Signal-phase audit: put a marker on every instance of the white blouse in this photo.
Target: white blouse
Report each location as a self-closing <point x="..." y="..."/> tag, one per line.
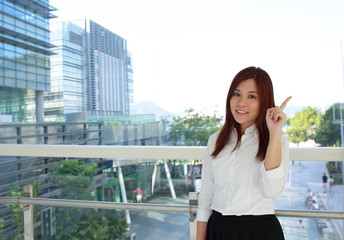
<point x="235" y="183"/>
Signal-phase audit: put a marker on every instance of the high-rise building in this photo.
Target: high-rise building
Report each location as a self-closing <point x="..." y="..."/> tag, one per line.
<point x="68" y="71"/>
<point x="108" y="79"/>
<point x="91" y="72"/>
<point x="24" y="58"/>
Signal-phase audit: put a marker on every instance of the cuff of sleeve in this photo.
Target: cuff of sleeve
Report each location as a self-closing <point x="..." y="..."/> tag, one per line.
<point x="273" y="173"/>
<point x="203" y="215"/>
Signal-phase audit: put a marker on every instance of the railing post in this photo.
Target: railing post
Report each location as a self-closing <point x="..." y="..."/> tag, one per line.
<point x="45" y="130"/>
<point x="19" y="139"/>
<point x="85" y="134"/>
<point x="100" y="133"/>
<point x="193" y="201"/>
<point x="28" y="215"/>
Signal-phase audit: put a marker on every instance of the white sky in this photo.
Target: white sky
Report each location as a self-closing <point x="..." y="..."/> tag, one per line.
<point x="186" y="52"/>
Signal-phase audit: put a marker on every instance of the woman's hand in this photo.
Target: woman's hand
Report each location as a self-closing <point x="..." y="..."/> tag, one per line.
<point x="275" y="117"/>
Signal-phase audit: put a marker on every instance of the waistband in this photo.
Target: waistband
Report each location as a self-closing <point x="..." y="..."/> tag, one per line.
<point x="242" y="217"/>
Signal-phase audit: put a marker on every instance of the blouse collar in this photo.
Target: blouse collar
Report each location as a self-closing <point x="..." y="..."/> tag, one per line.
<point x="251" y="130"/>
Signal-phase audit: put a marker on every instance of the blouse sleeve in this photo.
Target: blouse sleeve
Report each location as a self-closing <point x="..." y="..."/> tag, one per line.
<point x="273" y="181"/>
<point x="207" y="187"/>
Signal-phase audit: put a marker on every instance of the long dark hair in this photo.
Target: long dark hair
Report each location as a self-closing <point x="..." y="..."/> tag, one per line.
<point x="266" y="100"/>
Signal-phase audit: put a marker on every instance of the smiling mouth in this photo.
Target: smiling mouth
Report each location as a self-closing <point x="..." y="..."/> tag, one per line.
<point x="241" y="112"/>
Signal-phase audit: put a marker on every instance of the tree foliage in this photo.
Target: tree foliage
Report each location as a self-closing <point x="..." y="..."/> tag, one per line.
<point x="303" y="125"/>
<point x="75" y="179"/>
<point x="17" y="214"/>
<point x="193" y="129"/>
<point x="2" y="221"/>
<point x="328" y="132"/>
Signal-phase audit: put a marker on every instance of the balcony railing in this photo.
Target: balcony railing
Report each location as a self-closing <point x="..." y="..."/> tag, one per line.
<point x="149" y="152"/>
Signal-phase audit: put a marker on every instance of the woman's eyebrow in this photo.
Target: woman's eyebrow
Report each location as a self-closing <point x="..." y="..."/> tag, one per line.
<point x="248" y="91"/>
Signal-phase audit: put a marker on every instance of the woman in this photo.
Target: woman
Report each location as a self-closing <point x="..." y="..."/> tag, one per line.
<point x="245" y="165"/>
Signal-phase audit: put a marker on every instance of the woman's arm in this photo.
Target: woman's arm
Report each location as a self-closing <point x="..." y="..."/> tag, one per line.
<point x="273" y="155"/>
<point x="201" y="230"/>
<point x="275" y="119"/>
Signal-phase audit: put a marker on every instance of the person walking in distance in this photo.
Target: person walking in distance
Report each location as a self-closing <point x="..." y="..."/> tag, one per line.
<point x="139" y="195"/>
<point x="245" y="165"/>
<point x="324" y="180"/>
<point x="331" y="183"/>
<point x="309" y="197"/>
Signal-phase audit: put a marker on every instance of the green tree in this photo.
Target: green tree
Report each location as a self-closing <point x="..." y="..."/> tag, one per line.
<point x="75" y="179"/>
<point x="193" y="129"/>
<point x="17" y="213"/>
<point x="303" y="125"/>
<point x="2" y="221"/>
<point x="328" y="132"/>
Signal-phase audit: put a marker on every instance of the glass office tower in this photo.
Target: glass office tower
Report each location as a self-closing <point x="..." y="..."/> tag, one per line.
<point x="108" y="80"/>
<point x="68" y="71"/>
<point x="91" y="72"/>
<point x="24" y="58"/>
<point x="130" y="83"/>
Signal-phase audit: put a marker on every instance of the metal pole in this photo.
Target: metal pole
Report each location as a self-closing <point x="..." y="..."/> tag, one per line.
<point x="341" y="120"/>
<point x="168" y="175"/>
<point x="154" y="176"/>
<point x="186" y="172"/>
<point x="124" y="193"/>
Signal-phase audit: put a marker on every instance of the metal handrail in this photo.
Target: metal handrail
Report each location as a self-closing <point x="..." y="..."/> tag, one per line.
<point x="151" y="152"/>
<point x="152" y="207"/>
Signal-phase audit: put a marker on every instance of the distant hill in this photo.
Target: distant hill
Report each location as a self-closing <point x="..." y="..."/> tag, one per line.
<point x="149" y="107"/>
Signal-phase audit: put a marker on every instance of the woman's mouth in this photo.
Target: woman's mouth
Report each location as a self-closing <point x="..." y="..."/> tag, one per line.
<point x="240" y="112"/>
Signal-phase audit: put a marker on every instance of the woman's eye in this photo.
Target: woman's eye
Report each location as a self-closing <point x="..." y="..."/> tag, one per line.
<point x="251" y="96"/>
<point x="236" y="94"/>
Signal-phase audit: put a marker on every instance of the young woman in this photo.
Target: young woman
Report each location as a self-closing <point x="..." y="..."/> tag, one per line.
<point x="245" y="165"/>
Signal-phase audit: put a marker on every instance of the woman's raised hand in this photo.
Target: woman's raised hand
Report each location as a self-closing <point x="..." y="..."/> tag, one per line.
<point x="275" y="117"/>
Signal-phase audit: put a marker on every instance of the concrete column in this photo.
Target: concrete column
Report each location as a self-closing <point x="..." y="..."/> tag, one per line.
<point x="123" y="193"/>
<point x="168" y="175"/>
<point x="154" y="176"/>
<point x="28" y="215"/>
<point x="39" y="106"/>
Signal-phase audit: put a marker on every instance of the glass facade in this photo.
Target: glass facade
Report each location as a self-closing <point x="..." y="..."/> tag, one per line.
<point x="24" y="53"/>
<point x="130" y="83"/>
<point x="108" y="80"/>
<point x="91" y="71"/>
<point x="68" y="71"/>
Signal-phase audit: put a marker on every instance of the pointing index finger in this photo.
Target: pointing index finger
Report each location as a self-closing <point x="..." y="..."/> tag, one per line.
<point x="284" y="104"/>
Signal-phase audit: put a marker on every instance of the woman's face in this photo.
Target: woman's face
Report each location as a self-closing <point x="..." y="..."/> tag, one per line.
<point x="245" y="104"/>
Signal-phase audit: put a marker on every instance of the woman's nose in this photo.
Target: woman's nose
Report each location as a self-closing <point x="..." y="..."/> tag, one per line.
<point x="241" y="102"/>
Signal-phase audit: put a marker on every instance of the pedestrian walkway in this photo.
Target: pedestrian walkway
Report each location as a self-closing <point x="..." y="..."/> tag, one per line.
<point x="302" y="177"/>
<point x="154" y="225"/>
<point x="333" y="201"/>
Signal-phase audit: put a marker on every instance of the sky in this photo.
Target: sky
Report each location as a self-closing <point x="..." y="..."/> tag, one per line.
<point x="186" y="52"/>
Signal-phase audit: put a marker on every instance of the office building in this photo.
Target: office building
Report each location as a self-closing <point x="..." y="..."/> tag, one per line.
<point x="24" y="58"/>
<point x="68" y="72"/>
<point x="91" y="72"/>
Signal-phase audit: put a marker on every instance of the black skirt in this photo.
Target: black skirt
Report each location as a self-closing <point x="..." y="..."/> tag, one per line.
<point x="247" y="227"/>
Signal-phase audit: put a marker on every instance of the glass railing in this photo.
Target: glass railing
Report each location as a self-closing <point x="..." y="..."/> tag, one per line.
<point x="166" y="176"/>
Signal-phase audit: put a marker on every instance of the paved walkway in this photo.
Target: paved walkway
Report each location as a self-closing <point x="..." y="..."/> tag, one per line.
<point x="303" y="177"/>
<point x="154" y="225"/>
<point x="165" y="225"/>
